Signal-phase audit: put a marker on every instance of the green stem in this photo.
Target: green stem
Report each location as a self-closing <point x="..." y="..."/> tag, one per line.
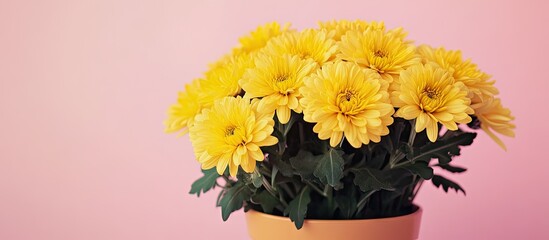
<point x="414" y="194"/>
<point x="301" y="134"/>
<point x="317" y="189"/>
<point x="362" y="202"/>
<point x="287" y="189"/>
<point x="270" y="189"/>
<point x="412" y="134"/>
<point x="395" y="158"/>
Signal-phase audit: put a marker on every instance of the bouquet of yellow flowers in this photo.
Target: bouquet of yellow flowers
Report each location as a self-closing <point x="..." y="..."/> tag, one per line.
<point x="343" y="121"/>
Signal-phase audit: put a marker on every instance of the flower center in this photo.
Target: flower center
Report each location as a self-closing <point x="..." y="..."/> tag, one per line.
<point x="348" y="95"/>
<point x="431" y="93"/>
<point x="347" y="101"/>
<point x="281" y="78"/>
<point x="229" y="131"/>
<point x="380" y="53"/>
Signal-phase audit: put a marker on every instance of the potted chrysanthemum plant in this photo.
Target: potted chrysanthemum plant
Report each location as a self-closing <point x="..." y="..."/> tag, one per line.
<point x="333" y="128"/>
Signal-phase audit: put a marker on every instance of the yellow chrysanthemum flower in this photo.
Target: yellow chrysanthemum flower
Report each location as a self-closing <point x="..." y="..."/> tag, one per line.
<point x="341" y="27"/>
<point x="346" y="100"/>
<point x="258" y="38"/>
<point x="310" y="43"/>
<point x="181" y="114"/>
<point x="276" y="80"/>
<point x="493" y="116"/>
<point x="223" y="80"/>
<point x="387" y="53"/>
<point x="430" y="95"/>
<point x="230" y="134"/>
<point x="467" y="72"/>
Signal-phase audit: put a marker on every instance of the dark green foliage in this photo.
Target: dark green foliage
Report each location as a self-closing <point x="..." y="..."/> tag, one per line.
<point x="346" y="202"/>
<point x="297" y="210"/>
<point x="303" y="177"/>
<point x="445" y="148"/>
<point x="421" y="169"/>
<point x="233" y="199"/>
<point x="446" y="184"/>
<point x="330" y="167"/>
<point x="369" y="179"/>
<point x="205" y="183"/>
<point x="450" y="168"/>
<point x="267" y="201"/>
<point x="304" y="164"/>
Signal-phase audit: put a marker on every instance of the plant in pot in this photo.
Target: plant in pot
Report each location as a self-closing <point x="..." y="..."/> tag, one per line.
<point x="331" y="132"/>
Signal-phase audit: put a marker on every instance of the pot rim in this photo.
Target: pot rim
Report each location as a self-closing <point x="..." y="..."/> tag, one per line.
<point x="418" y="211"/>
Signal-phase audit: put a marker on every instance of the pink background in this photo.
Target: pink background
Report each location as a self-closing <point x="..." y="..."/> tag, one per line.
<point x="84" y="86"/>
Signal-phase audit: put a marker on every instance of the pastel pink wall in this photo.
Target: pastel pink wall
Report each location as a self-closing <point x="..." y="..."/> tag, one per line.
<point x="84" y="86"/>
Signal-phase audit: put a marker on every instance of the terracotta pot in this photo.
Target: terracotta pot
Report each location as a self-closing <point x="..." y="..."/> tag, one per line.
<point x="263" y="226"/>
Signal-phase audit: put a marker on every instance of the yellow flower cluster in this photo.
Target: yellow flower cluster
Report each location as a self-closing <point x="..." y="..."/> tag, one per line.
<point x="349" y="78"/>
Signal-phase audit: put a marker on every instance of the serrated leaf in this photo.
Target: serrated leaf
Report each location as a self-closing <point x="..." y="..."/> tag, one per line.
<point x="204" y="183"/>
<point x="304" y="164"/>
<point x="446" y="184"/>
<point x="266" y="201"/>
<point x="451" y="168"/>
<point x="421" y="169"/>
<point x="297" y="209"/>
<point x="445" y="148"/>
<point x="233" y="199"/>
<point x="369" y="179"/>
<point x="330" y="167"/>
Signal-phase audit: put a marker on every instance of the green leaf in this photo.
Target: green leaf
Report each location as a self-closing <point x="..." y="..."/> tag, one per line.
<point x="452" y="169"/>
<point x="233" y="199"/>
<point x="446" y="184"/>
<point x="421" y="169"/>
<point x="364" y="198"/>
<point x="266" y="200"/>
<point x="407" y="150"/>
<point x="205" y="183"/>
<point x="346" y="202"/>
<point x="304" y="164"/>
<point x="330" y="167"/>
<point x="297" y="209"/>
<point x="369" y="179"/>
<point x="322" y="209"/>
<point x="446" y="147"/>
<point x="283" y="167"/>
<point x="257" y="179"/>
<point x="219" y="196"/>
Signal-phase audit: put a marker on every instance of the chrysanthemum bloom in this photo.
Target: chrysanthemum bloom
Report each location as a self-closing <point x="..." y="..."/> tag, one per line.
<point x="430" y="95"/>
<point x="181" y="114"/>
<point x="341" y="27"/>
<point x="463" y="71"/>
<point x="223" y="80"/>
<point x="276" y="80"/>
<point x="258" y="38"/>
<point x="493" y="116"/>
<point x="385" y="53"/>
<point x="231" y="133"/>
<point x="346" y="100"/>
<point x="310" y="43"/>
